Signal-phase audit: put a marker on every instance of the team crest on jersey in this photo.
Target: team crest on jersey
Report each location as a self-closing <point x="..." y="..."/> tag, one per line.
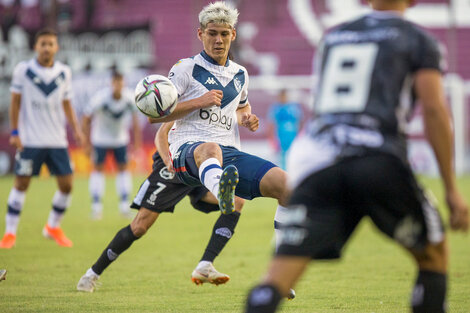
<point x="238" y="84"/>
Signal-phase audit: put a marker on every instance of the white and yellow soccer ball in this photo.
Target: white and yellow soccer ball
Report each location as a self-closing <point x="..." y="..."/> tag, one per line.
<point x="156" y="96"/>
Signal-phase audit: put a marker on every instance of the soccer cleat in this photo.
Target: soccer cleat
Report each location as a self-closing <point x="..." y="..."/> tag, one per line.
<point x="227" y="184"/>
<point x="8" y="241"/>
<point x="58" y="235"/>
<point x="3" y="274"/>
<point x="291" y="294"/>
<point x="88" y="283"/>
<point x="208" y="274"/>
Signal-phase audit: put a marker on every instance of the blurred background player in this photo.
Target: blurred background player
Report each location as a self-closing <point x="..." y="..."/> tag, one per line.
<point x="110" y="115"/>
<point x="352" y="162"/>
<point x="40" y="105"/>
<point x="160" y="193"/>
<point x="285" y="118"/>
<point x="3" y="274"/>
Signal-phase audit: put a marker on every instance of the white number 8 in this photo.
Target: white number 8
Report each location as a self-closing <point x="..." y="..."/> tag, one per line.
<point x="346" y="78"/>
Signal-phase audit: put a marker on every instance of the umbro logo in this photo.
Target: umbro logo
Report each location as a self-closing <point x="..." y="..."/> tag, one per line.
<point x="210" y="81"/>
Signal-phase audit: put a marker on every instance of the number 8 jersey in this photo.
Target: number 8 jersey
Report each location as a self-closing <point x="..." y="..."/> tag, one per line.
<point x="366" y="80"/>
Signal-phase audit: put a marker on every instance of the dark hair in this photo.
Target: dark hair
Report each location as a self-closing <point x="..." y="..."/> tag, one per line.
<point x="117" y="75"/>
<point x="44" y="32"/>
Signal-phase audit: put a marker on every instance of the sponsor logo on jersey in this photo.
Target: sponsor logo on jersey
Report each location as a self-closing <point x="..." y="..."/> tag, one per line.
<point x="210" y="81"/>
<point x="291" y="233"/>
<point x="216" y="118"/>
<point x="166" y="174"/>
<point x="224" y="232"/>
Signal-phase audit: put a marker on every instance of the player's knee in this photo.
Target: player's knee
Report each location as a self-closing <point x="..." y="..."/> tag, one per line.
<point x="207" y="150"/>
<point x="433" y="257"/>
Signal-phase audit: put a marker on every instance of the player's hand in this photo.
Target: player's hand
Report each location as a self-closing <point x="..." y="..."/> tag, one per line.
<point x="80" y="138"/>
<point x="15" y="141"/>
<point x="168" y="163"/>
<point x="87" y="149"/>
<point x="211" y="98"/>
<point x="458" y="211"/>
<point x="250" y="121"/>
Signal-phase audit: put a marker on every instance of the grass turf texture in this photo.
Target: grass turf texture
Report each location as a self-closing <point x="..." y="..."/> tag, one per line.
<point x="154" y="274"/>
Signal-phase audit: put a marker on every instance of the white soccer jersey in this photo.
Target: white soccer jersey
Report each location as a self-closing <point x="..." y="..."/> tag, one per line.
<point x="111" y="118"/>
<point x="195" y="76"/>
<point x="43" y="89"/>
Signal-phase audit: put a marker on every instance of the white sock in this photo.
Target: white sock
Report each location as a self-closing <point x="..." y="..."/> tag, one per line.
<point x="96" y="185"/>
<point x="203" y="264"/>
<point x="210" y="172"/>
<point x="90" y="272"/>
<point x="60" y="203"/>
<point x="280" y="218"/>
<point x="123" y="185"/>
<point x="15" y="205"/>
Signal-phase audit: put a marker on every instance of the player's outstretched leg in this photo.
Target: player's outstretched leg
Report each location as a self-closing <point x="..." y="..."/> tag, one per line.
<point x="227" y="184"/>
<point x="223" y="230"/>
<point x="120" y="243"/>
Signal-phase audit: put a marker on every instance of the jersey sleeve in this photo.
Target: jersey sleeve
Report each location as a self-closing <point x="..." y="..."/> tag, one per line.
<point x="17" y="80"/>
<point x="180" y="75"/>
<point x="244" y="92"/>
<point x="427" y="54"/>
<point x="68" y="84"/>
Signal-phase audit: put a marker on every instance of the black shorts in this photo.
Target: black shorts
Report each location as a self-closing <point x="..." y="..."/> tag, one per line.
<point x="328" y="205"/>
<point x="161" y="191"/>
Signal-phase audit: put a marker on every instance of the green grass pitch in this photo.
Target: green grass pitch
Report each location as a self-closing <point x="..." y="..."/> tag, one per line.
<point x="374" y="274"/>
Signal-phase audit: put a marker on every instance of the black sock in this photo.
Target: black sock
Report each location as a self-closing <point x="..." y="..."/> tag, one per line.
<point x="429" y="293"/>
<point x="263" y="299"/>
<point x="223" y="230"/>
<point x="123" y="240"/>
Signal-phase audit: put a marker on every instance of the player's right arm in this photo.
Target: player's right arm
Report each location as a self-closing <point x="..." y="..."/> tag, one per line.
<point x="429" y="88"/>
<point x="14" y="115"/>
<point x="210" y="98"/>
<point x="161" y="142"/>
<point x="181" y="76"/>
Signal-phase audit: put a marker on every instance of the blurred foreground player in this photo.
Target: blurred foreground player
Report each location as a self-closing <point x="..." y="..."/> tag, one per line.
<point x="354" y="159"/>
<point x="160" y="192"/>
<point x="106" y="124"/>
<point x="40" y="105"/>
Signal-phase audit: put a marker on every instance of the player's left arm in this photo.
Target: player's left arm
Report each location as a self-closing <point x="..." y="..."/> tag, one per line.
<point x="163" y="148"/>
<point x="73" y="122"/>
<point x="137" y="131"/>
<point x="246" y="118"/>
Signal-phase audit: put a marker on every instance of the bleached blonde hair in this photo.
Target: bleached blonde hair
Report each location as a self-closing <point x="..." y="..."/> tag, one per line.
<point x="219" y="13"/>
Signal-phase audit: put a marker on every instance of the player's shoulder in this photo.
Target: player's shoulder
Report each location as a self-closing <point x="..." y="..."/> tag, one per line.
<point x="22" y="66"/>
<point x="238" y="66"/>
<point x="183" y="65"/>
<point x="63" y="67"/>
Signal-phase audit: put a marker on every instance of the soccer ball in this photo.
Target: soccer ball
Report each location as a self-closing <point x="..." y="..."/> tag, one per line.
<point x="156" y="96"/>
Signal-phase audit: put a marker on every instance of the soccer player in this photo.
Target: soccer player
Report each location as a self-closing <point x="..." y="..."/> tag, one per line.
<point x="109" y="116"/>
<point x="160" y="192"/>
<point x="213" y="101"/>
<point x="3" y="274"/>
<point x="40" y="105"/>
<point x="285" y="119"/>
<point x="354" y="160"/>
